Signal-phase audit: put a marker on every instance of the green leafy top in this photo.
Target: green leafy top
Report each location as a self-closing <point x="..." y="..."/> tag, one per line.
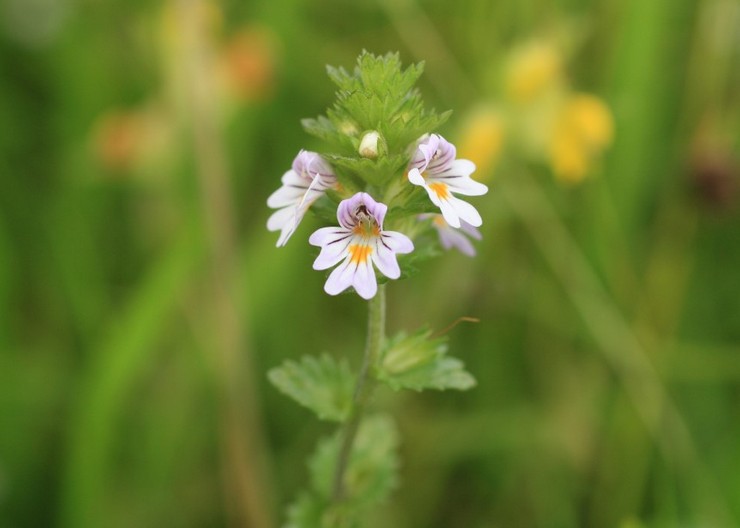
<point x="377" y="96"/>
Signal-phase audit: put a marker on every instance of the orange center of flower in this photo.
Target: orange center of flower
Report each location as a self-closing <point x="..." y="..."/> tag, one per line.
<point x="440" y="189"/>
<point x="359" y="253"/>
<point x="367" y="229"/>
<point x="439" y="221"/>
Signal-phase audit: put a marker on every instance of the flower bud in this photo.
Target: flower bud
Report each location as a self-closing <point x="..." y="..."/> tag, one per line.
<point x="369" y="145"/>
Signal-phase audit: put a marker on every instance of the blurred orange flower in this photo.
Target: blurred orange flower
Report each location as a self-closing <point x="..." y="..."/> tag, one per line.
<point x="247" y="64"/>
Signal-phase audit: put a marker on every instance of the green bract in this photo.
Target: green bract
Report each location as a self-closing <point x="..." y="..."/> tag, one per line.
<point x="418" y="362"/>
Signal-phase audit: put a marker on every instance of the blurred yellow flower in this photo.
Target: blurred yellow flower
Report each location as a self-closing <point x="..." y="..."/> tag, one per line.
<point x="482" y="139"/>
<point x="532" y="69"/>
<point x="583" y="128"/>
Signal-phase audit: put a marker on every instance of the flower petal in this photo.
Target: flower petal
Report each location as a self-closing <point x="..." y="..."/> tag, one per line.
<point x="364" y="280"/>
<point x="450" y="238"/>
<point x="291" y="192"/>
<point x="325" y="235"/>
<point x="464" y="211"/>
<point x="341" y="278"/>
<point x="471" y="230"/>
<point x="281" y="218"/>
<point x="397" y="242"/>
<point x="416" y="178"/>
<point x="385" y="260"/>
<point x="448" y="211"/>
<point x="334" y="250"/>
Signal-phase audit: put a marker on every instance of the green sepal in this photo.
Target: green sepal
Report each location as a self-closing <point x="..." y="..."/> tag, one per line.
<point x="419" y="361"/>
<point x="322" y="384"/>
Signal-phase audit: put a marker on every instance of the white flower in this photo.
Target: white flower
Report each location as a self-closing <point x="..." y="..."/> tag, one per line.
<point x="435" y="168"/>
<point x="308" y="179"/>
<point x="359" y="242"/>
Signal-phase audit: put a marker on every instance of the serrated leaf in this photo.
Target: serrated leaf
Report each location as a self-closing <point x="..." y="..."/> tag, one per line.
<point x="371" y="473"/>
<point x="419" y="362"/>
<point x="322" y="384"/>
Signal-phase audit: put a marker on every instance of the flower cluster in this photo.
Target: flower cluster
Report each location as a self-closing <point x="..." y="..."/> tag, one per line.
<point x="360" y="244"/>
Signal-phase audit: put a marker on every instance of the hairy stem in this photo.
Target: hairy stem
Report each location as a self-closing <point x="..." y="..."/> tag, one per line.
<point x="364" y="387"/>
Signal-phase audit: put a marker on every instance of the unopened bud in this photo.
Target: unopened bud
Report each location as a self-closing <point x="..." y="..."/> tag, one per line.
<point x="369" y="145"/>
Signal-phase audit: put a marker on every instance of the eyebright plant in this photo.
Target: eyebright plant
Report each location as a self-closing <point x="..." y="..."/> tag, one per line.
<point x="384" y="183"/>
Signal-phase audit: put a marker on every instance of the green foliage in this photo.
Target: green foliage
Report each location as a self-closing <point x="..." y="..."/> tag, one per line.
<point x="419" y="362"/>
<point x="378" y="95"/>
<point x="371" y="474"/>
<point x="322" y="384"/>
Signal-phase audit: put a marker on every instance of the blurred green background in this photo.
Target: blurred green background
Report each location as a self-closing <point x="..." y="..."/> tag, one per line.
<point x="142" y="299"/>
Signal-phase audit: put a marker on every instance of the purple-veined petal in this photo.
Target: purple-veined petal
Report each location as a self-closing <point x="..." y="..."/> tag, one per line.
<point x="290" y="193"/>
<point x="326" y="234"/>
<point x="397" y="242"/>
<point x="385" y="260"/>
<point x="334" y="249"/>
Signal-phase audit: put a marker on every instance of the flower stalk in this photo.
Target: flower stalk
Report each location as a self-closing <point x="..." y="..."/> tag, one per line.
<point x="363" y="389"/>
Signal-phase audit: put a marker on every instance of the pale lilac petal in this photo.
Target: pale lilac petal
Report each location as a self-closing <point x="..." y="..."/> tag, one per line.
<point x="397" y="242"/>
<point x="341" y="278"/>
<point x="450" y="238"/>
<point x="377" y="209"/>
<point x="442" y="157"/>
<point x="346" y="211"/>
<point x="464" y="211"/>
<point x="364" y="280"/>
<point x="334" y="249"/>
<point x="424" y="152"/>
<point x="471" y="230"/>
<point x="312" y="164"/>
<point x="385" y="260"/>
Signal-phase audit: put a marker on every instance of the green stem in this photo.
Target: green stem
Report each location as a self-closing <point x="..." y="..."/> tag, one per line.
<point x="363" y="389"/>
